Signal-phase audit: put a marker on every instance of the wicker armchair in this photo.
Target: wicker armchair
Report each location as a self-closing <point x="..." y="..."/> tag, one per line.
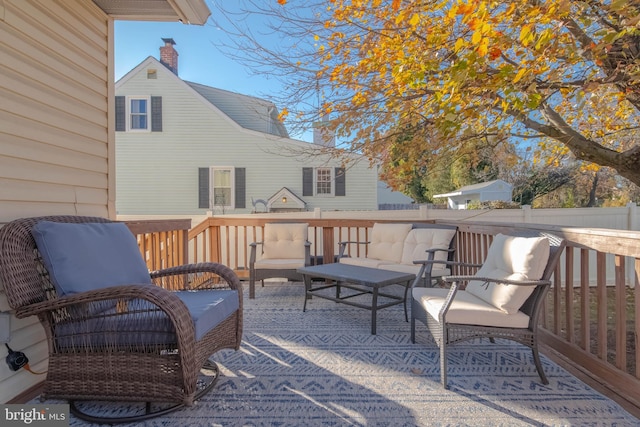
<point x="284" y="248"/>
<point x="502" y="300"/>
<point x="138" y="342"/>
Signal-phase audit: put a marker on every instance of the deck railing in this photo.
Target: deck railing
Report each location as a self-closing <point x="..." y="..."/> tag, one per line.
<point x="591" y="318"/>
<point x="163" y="243"/>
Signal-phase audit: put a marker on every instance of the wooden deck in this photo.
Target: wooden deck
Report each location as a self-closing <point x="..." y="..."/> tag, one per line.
<point x="591" y="322"/>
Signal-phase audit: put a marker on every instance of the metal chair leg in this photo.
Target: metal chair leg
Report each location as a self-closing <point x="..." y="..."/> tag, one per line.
<point x="536" y="359"/>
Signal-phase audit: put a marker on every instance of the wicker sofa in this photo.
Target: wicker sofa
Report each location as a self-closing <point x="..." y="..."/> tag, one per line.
<point x="405" y="247"/>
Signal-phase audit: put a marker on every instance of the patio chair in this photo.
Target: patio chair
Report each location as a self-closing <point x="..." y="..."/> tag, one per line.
<point x="502" y="300"/>
<point x="115" y="331"/>
<point x="284" y="248"/>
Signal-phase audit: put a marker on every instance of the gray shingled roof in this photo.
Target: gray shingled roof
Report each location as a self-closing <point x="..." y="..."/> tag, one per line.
<point x="249" y="112"/>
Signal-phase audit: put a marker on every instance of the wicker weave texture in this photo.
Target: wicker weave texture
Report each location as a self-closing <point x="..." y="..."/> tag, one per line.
<point x="124" y="343"/>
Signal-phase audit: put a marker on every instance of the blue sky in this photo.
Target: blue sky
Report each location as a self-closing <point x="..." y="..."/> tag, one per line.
<point x="199" y="60"/>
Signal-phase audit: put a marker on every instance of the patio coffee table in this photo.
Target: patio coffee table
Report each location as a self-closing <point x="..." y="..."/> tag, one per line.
<point x="364" y="280"/>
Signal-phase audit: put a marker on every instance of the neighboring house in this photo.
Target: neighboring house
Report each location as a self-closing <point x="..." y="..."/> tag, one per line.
<point x="390" y="199"/>
<point x="183" y="148"/>
<point x="57" y="126"/>
<point x="483" y="192"/>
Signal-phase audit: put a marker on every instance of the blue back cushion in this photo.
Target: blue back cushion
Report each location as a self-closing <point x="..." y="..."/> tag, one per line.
<point x="88" y="256"/>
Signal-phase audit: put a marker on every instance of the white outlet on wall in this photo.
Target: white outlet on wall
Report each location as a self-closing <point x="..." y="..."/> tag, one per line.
<point x="5" y="327"/>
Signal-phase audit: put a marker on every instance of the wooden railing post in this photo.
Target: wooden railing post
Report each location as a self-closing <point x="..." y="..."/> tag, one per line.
<point x="215" y="243"/>
<point x="328" y="250"/>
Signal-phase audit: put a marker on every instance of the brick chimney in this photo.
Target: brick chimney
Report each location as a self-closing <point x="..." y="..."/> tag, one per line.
<point x="169" y="56"/>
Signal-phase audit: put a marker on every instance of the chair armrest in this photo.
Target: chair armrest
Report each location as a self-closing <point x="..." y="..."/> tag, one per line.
<point x="456" y="284"/>
<point x="343" y="247"/>
<point x="176" y="311"/>
<point x="158" y="296"/>
<point x="424" y="276"/>
<point x="231" y="280"/>
<point x="434" y="250"/>
<point x="431" y="254"/>
<point x="447" y="302"/>
<point x="454" y="279"/>
<point x="253" y="255"/>
<point x="200" y="276"/>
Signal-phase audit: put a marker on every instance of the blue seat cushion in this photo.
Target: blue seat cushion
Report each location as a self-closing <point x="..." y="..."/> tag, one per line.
<point x="89" y="256"/>
<point x="208" y="308"/>
<point x="144" y="324"/>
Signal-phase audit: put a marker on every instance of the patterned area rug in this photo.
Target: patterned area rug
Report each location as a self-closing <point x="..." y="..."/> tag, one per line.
<point x="323" y="367"/>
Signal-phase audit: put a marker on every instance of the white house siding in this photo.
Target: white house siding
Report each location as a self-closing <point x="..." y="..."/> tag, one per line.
<point x="54" y="76"/>
<point x="157" y="172"/>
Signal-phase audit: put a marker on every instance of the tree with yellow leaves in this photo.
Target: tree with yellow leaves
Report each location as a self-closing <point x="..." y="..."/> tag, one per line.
<point x="450" y="73"/>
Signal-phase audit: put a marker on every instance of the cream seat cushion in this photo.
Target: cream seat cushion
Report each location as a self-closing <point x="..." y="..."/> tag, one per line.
<point x="467" y="309"/>
<point x="279" y="264"/>
<point x="511" y="258"/>
<point x="284" y="241"/>
<point x="362" y="262"/>
<point x="414" y="269"/>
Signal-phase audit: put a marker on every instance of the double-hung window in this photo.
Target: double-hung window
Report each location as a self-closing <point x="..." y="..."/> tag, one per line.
<point x="138" y="113"/>
<point x="324" y="180"/>
<point x="139" y="119"/>
<point x="222" y="185"/>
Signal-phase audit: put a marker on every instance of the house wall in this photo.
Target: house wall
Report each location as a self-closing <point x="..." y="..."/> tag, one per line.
<point x="157" y="172"/>
<point x="55" y="68"/>
<point x="487" y="196"/>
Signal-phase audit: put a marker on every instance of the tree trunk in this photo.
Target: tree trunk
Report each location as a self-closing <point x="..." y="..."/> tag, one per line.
<point x="592" y="193"/>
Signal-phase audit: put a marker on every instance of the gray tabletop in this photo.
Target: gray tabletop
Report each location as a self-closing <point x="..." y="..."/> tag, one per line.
<point x="358" y="275"/>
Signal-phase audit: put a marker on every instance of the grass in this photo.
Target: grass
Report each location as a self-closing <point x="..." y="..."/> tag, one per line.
<point x="594" y="339"/>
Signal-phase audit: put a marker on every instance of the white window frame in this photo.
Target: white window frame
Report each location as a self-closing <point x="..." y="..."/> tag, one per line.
<point x="331" y="182"/>
<point x="129" y="113"/>
<point x="212" y="186"/>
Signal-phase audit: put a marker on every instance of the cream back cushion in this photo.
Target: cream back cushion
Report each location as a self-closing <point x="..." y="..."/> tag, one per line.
<point x="512" y="258"/>
<point x="420" y="239"/>
<point x="387" y="241"/>
<point x="284" y="240"/>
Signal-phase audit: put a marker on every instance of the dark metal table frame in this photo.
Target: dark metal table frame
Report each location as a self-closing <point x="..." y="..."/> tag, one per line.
<point x="364" y="280"/>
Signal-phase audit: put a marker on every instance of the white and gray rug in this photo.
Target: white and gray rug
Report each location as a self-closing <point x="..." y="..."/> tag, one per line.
<point x="324" y="368"/>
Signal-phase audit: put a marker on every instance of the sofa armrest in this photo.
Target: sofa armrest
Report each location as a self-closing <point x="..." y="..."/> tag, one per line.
<point x="307" y="253"/>
<point x="343" y="247"/>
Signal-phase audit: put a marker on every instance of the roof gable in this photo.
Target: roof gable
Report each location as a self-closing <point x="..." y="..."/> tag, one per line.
<point x="245" y="111"/>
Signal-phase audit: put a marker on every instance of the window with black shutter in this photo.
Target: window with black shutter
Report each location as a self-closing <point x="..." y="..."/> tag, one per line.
<point x="121" y="114"/>
<point x="307" y="181"/>
<point x="241" y="188"/>
<point x="341" y="182"/>
<point x="203" y="188"/>
<point x="156" y="114"/>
